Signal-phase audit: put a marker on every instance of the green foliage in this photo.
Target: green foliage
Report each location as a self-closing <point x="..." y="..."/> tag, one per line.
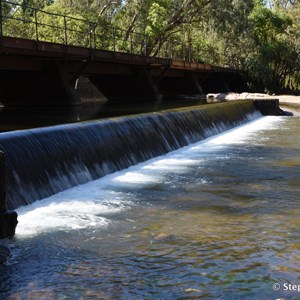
<point x="268" y="25"/>
<point x="273" y="60"/>
<point x="54" y="27"/>
<point x="17" y="21"/>
<point x="157" y="19"/>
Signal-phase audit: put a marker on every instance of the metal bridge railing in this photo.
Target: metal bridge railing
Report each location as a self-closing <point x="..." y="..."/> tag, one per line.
<point x="27" y="22"/>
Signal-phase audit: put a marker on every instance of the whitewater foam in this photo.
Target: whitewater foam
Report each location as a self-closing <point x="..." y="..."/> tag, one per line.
<point x="92" y="204"/>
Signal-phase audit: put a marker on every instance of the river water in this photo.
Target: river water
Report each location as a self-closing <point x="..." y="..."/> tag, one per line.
<point x="218" y="219"/>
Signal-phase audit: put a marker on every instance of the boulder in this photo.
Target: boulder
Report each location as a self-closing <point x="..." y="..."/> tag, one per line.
<point x="8" y="223"/>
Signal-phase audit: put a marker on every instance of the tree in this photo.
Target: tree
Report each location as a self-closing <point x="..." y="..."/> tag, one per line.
<point x="226" y="31"/>
<point x="275" y="56"/>
<point x="280" y="4"/>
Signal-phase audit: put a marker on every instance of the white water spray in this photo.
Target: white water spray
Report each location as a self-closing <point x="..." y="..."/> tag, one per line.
<point x="92" y="204"/>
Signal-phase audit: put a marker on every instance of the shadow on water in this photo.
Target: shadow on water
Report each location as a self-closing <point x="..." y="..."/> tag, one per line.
<point x="26" y="117"/>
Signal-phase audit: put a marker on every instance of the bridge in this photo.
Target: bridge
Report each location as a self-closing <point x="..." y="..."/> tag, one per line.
<point x="62" y="60"/>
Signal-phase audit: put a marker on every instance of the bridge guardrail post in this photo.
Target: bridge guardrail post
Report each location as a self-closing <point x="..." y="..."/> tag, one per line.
<point x="90" y="35"/>
<point x="158" y="49"/>
<point x="1" y="28"/>
<point x="65" y="31"/>
<point x="144" y="51"/>
<point x="114" y="38"/>
<point x="1" y="25"/>
<point x="146" y="46"/>
<point x="36" y="28"/>
<point x="94" y="37"/>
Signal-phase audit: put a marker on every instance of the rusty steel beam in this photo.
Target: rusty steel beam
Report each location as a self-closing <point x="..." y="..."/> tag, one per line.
<point x="22" y="47"/>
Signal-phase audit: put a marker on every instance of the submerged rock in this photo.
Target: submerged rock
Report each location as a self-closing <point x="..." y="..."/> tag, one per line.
<point x="4" y="254"/>
<point x="166" y="238"/>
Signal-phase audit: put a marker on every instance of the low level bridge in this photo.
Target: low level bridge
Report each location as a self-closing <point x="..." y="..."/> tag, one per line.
<point x="55" y="63"/>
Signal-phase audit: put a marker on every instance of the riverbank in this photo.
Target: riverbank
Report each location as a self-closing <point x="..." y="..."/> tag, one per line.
<point x="290" y="102"/>
<point x="286" y="102"/>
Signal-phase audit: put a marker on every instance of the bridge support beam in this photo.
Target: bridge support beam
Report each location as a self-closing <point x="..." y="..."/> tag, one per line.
<point x="152" y="84"/>
<point x="87" y="91"/>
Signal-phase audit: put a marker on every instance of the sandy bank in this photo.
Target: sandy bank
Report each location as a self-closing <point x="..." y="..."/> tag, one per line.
<point x="285" y="101"/>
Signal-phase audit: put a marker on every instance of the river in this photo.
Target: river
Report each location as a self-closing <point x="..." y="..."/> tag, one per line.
<point x="218" y="219"/>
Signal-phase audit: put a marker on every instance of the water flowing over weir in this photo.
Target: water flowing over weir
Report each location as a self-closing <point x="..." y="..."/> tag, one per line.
<point x="44" y="161"/>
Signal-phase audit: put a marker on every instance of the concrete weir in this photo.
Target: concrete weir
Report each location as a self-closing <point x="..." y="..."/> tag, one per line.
<point x="43" y="161"/>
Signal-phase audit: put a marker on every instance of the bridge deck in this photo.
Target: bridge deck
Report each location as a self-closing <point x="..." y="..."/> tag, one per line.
<point x="18" y="46"/>
<point x="34" y="72"/>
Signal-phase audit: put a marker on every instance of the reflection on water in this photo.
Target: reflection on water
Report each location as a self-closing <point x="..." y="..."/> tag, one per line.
<point x="14" y="118"/>
<point x="214" y="220"/>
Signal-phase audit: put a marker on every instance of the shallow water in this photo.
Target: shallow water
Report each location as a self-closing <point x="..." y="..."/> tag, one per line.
<point x="214" y="220"/>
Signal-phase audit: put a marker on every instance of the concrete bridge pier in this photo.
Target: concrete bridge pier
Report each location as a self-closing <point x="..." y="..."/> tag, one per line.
<point x="214" y="82"/>
<point x="137" y="86"/>
<point x="222" y="82"/>
<point x="181" y="87"/>
<point x="237" y="83"/>
<point x="46" y="83"/>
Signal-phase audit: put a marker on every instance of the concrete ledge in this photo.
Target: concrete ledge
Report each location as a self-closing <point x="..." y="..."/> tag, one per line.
<point x="268" y="107"/>
<point x="8" y="218"/>
<point x="267" y="104"/>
